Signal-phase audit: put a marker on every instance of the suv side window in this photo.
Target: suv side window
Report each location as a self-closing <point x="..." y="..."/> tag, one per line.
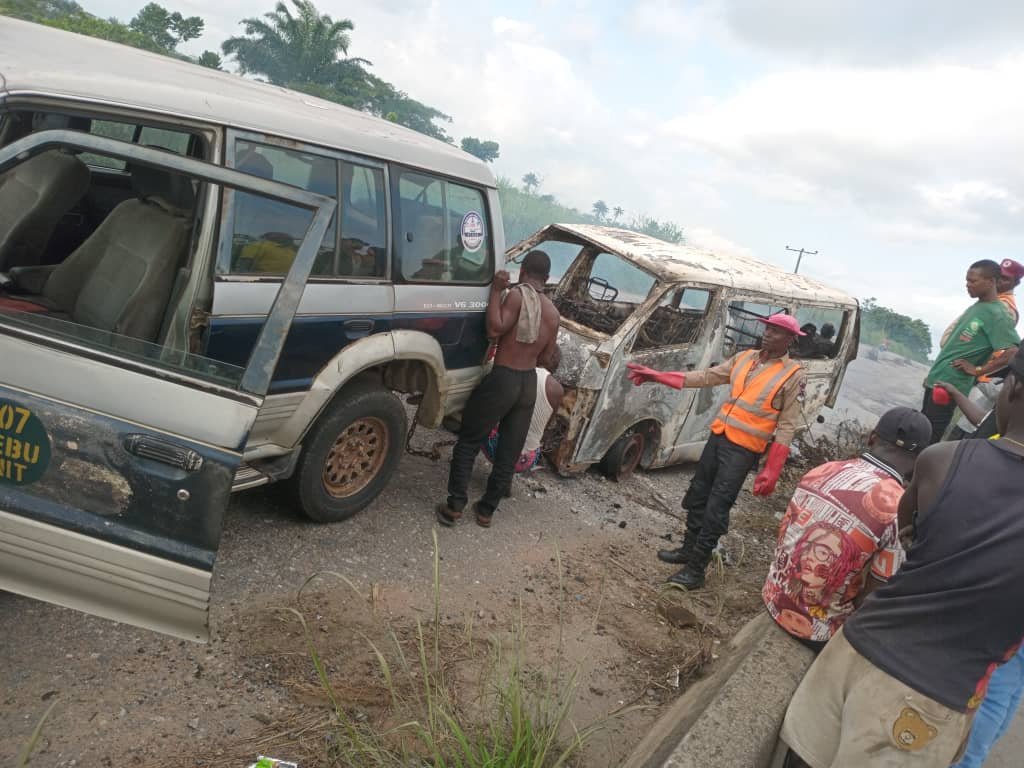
<point x="676" y="320"/>
<point x="265" y="235"/>
<point x="443" y="234"/>
<point x="265" y="238"/>
<point x="162" y="138"/>
<point x="364" y="226"/>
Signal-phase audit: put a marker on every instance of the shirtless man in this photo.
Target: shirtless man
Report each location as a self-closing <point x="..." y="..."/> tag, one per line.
<point x="525" y="323"/>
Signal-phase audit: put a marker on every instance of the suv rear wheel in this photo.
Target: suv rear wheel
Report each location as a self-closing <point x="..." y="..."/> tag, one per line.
<point x="349" y="456"/>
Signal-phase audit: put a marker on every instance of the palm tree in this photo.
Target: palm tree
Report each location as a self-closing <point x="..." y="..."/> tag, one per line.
<point x="530" y="182"/>
<point x="617" y="212"/>
<point x="303" y="47"/>
<point x="600" y="209"/>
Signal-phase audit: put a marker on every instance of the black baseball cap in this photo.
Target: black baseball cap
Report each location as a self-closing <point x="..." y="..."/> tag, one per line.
<point x="906" y="428"/>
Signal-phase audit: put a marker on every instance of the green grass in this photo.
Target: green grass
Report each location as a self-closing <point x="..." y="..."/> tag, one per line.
<point x="26" y="753"/>
<point x="520" y="720"/>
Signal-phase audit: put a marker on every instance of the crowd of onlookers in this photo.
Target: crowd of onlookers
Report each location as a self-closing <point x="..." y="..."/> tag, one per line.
<point x="902" y="567"/>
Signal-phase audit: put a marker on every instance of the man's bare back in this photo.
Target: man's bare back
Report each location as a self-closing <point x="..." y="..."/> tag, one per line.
<point x="503" y="319"/>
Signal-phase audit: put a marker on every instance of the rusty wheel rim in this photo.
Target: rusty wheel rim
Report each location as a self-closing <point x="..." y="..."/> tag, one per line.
<point x="356" y="457"/>
<point x="631" y="456"/>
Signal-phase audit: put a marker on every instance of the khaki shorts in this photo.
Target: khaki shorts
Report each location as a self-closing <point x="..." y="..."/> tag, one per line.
<point x="847" y="713"/>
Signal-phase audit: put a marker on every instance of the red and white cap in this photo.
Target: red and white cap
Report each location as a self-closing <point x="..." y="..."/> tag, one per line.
<point x="1012" y="269"/>
<point x="784" y="321"/>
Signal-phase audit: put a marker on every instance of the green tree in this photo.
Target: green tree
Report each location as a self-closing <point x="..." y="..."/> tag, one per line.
<point x="154" y="28"/>
<point x="617" y="213"/>
<point x="668" y="231"/>
<point x="600" y="209"/>
<point x="307" y="51"/>
<point x="382" y="98"/>
<point x="910" y="337"/>
<point x="105" y="29"/>
<point x="38" y="10"/>
<point x="523" y="213"/>
<point x="530" y="182"/>
<point x="210" y="59"/>
<point x="164" y="28"/>
<point x="286" y="47"/>
<point x="488" y="151"/>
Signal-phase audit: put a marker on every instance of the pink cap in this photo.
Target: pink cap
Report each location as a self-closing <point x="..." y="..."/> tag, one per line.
<point x="786" y="322"/>
<point x="1012" y="269"/>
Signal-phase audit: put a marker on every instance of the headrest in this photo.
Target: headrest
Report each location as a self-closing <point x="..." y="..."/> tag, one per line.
<point x="171" y="191"/>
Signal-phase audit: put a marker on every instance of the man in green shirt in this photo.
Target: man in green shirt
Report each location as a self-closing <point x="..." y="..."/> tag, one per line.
<point x="985" y="328"/>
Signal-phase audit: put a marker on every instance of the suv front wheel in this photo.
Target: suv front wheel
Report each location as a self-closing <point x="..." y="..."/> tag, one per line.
<point x="349" y="456"/>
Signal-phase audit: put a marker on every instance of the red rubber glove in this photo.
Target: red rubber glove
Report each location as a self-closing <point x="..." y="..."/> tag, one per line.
<point x="641" y="374"/>
<point x="764" y="483"/>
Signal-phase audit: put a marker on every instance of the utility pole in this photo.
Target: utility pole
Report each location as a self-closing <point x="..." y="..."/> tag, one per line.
<point x="801" y="252"/>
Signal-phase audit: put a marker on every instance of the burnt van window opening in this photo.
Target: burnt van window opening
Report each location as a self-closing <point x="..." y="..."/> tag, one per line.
<point x="603" y="291"/>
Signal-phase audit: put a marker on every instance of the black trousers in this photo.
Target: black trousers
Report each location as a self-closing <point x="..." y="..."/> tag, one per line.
<point x="938" y="415"/>
<point x="713" y="490"/>
<point x="505" y="398"/>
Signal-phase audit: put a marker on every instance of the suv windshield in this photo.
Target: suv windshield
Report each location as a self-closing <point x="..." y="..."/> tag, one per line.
<point x="601" y="290"/>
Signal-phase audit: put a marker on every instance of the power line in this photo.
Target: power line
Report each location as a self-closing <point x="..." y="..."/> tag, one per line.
<point x="801" y="252"/>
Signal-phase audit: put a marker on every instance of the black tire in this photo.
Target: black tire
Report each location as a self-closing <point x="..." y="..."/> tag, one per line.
<point x="624" y="456"/>
<point x="351" y="453"/>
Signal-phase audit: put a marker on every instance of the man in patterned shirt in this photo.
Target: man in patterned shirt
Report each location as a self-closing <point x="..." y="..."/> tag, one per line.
<point x="839" y="537"/>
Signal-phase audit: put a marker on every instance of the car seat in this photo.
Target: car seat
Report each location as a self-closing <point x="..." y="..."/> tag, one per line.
<point x="34" y="197"/>
<point x="120" y="278"/>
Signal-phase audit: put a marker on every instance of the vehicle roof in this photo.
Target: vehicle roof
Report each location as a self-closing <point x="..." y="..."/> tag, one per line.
<point x="42" y="60"/>
<point x="678" y="263"/>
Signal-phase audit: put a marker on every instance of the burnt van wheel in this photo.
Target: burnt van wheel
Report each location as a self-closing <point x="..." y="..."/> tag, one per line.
<point x="624" y="456"/>
<point x="351" y="453"/>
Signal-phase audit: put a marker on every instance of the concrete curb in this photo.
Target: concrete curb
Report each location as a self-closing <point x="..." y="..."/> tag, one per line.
<point x="732" y="718"/>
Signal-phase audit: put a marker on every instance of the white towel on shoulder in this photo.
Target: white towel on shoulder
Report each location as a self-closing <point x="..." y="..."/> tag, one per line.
<point x="528" y="327"/>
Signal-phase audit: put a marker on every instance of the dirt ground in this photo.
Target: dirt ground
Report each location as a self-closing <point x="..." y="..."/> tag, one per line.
<point x="129" y="697"/>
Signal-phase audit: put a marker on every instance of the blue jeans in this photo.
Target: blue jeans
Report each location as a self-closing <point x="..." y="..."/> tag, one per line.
<point x="996" y="711"/>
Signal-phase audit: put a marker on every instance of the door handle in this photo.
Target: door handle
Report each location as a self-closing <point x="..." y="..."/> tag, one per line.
<point x="164" y="451"/>
<point x="358" y="326"/>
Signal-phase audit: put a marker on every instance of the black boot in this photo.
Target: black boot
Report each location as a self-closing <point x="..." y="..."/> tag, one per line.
<point x="677" y="556"/>
<point x="680" y="555"/>
<point x="691" y="576"/>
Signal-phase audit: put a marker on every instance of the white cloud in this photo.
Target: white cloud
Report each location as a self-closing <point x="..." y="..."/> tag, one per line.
<point x="512" y="29"/>
<point x="926" y="147"/>
<point x="877" y="33"/>
<point x="706" y="239"/>
<point x="672" y="20"/>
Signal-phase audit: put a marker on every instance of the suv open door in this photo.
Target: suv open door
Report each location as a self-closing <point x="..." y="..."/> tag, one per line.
<point x="117" y="454"/>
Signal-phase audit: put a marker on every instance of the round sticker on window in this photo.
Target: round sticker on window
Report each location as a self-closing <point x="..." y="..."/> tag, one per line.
<point x="472" y="231"/>
<point x="24" y="445"/>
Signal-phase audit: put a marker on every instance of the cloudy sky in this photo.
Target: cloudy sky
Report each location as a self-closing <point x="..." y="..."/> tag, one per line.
<point x="886" y="136"/>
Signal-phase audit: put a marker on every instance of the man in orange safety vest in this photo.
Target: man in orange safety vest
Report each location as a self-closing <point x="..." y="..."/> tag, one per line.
<point x="765" y="403"/>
